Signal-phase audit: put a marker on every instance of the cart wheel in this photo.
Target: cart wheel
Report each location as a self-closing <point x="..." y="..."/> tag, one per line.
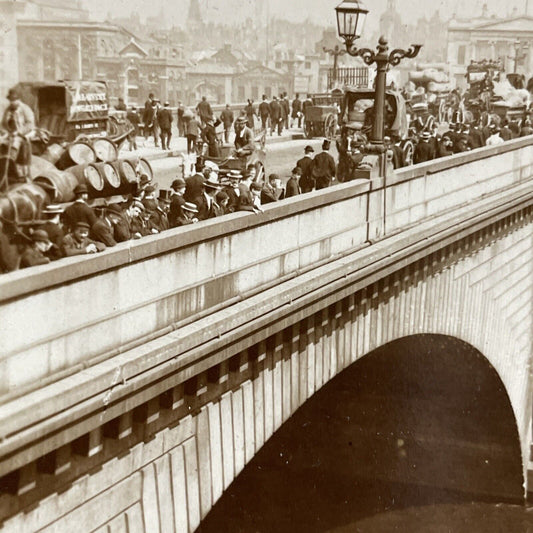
<point x="408" y="151"/>
<point x="330" y="126"/>
<point x="308" y="129"/>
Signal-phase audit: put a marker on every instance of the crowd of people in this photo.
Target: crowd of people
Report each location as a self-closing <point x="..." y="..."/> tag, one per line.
<point x="80" y="229"/>
<point x="155" y="120"/>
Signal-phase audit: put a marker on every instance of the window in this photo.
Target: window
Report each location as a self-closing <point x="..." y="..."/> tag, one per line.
<point x="461" y="53"/>
<point x="278" y="64"/>
<point x="255" y="92"/>
<point x="268" y="92"/>
<point x="241" y="93"/>
<point x="308" y="65"/>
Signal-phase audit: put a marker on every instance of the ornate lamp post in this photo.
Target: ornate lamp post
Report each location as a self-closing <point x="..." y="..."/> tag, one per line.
<point x="335" y="52"/>
<point x="517" y="55"/>
<point x="351" y="15"/>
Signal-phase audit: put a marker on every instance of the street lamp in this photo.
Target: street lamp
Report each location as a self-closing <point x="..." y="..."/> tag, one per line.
<point x="335" y="52"/>
<point x="351" y="15"/>
<point x="517" y="56"/>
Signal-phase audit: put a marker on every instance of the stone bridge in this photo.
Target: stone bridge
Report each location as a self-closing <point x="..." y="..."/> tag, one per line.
<point x="137" y="384"/>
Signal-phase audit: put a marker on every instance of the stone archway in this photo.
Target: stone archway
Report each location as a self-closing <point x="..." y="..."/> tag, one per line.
<point x="422" y="420"/>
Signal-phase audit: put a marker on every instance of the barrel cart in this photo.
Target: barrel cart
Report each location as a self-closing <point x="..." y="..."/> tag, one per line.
<point x="321" y="116"/>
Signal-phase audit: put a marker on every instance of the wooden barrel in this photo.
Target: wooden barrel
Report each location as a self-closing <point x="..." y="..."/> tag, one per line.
<point x="59" y="184"/>
<point x="111" y="175"/>
<point x="39" y="165"/>
<point x="94" y="178"/>
<point x="53" y="153"/>
<point x="146" y="167"/>
<point x="127" y="171"/>
<point x="23" y="203"/>
<point x="105" y="149"/>
<point x="77" y="153"/>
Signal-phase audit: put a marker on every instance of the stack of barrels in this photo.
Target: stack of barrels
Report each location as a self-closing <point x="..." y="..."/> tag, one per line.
<point x="94" y="163"/>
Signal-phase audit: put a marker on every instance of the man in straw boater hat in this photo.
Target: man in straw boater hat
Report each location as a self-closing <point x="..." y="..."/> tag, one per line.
<point x="78" y="242"/>
<point x="53" y="227"/>
<point x="233" y="178"/>
<point x="423" y="151"/>
<point x="189" y="214"/>
<point x="207" y="200"/>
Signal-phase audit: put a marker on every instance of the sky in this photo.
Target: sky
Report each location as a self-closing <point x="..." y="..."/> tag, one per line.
<point x="319" y="11"/>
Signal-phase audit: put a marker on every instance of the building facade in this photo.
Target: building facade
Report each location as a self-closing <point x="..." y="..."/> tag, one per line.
<point x="509" y="40"/>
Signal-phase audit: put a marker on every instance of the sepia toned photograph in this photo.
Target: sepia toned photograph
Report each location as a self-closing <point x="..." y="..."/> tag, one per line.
<point x="266" y="266"/>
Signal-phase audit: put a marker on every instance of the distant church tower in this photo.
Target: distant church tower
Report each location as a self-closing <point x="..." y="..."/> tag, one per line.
<point x="194" y="18"/>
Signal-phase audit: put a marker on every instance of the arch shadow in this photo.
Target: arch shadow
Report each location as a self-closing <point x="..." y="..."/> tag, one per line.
<point x="423" y="420"/>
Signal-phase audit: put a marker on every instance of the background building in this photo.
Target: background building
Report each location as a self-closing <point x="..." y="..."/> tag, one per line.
<point x="487" y="37"/>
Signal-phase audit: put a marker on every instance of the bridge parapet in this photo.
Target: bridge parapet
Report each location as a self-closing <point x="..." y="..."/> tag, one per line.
<point x="141" y="290"/>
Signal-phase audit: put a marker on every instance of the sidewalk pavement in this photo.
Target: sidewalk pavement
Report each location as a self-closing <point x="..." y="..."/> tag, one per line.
<point x="178" y="145"/>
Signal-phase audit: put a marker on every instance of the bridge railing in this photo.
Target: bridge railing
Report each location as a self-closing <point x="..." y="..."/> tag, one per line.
<point x="61" y="318"/>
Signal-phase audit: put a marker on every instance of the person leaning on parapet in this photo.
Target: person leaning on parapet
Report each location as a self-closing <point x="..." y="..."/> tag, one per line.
<point x="292" y="187"/>
<point x="232" y="190"/>
<point x="272" y="190"/>
<point x="35" y="249"/>
<point x="102" y="229"/>
<point x="204" y="111"/>
<point x="79" y="211"/>
<point x="177" y="189"/>
<point x="189" y="214"/>
<point x="121" y="228"/>
<point x="526" y="128"/>
<point x="227" y="118"/>
<point x="18" y="116"/>
<point x="78" y="242"/>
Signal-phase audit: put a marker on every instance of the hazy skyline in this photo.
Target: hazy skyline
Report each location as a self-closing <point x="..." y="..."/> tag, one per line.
<point x="318" y="11"/>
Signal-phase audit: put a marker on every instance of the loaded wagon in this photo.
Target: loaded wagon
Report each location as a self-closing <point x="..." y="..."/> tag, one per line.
<point x="321" y="115"/>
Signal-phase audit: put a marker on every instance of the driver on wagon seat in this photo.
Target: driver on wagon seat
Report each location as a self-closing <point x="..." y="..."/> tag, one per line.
<point x="244" y="138"/>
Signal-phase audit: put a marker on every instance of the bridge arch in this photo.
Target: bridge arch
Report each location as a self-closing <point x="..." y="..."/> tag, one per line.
<point x="424" y="419"/>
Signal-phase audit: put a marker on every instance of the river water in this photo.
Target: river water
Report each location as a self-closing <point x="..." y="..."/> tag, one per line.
<point x="419" y="439"/>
